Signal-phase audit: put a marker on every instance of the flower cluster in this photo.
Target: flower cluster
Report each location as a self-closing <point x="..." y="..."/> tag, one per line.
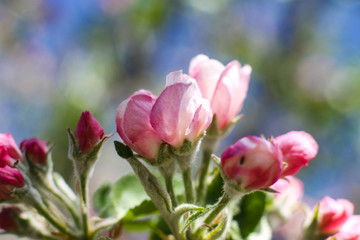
<point x="249" y="193"/>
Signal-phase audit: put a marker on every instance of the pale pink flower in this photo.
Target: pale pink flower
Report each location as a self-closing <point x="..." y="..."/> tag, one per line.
<point x="345" y="236"/>
<point x="298" y="149"/>
<point x="35" y="150"/>
<point x="180" y="113"/>
<point x="88" y="132"/>
<point x="133" y="124"/>
<point x="252" y="162"/>
<point x="333" y="214"/>
<point x="290" y="191"/>
<point x="224" y="86"/>
<point x="7" y="142"/>
<point x="352" y="225"/>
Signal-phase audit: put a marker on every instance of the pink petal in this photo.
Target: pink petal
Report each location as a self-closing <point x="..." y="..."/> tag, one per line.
<point x="201" y="121"/>
<point x="195" y="61"/>
<point x="207" y="74"/>
<point x="174" y="110"/>
<point x="133" y="124"/>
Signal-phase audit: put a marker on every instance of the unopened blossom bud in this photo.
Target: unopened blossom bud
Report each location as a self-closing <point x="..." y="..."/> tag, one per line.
<point x="133" y="124"/>
<point x="7" y="142"/>
<point x="9" y="218"/>
<point x="5" y="158"/>
<point x="333" y="214"/>
<point x="180" y="113"/>
<point x="35" y="150"/>
<point x="252" y="162"/>
<point x="88" y="132"/>
<point x="10" y="179"/>
<point x="224" y="86"/>
<point x="298" y="149"/>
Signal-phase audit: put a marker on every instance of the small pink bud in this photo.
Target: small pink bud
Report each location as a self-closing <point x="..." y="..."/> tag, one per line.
<point x="5" y="158"/>
<point x="333" y="214"/>
<point x="8" y="219"/>
<point x="298" y="149"/>
<point x="180" y="112"/>
<point x="252" y="162"/>
<point x="88" y="132"/>
<point x="224" y="86"/>
<point x="35" y="150"/>
<point x="133" y="124"/>
<point x="8" y="142"/>
<point x="10" y="178"/>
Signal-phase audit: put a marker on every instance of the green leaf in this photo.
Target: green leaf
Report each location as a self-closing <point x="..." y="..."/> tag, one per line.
<point x="102" y="202"/>
<point x="215" y="189"/>
<point x="105" y="238"/>
<point x="125" y="199"/>
<point x="123" y="150"/>
<point x="252" y="207"/>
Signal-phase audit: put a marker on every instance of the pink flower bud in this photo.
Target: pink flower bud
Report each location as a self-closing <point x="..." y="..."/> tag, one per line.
<point x="298" y="149"/>
<point x="133" y="124"/>
<point x="333" y="214"/>
<point x="5" y="158"/>
<point x="10" y="178"/>
<point x="35" y="150"/>
<point x="224" y="86"/>
<point x="8" y="219"/>
<point x="12" y="150"/>
<point x="252" y="162"/>
<point x="180" y="112"/>
<point x="88" y="132"/>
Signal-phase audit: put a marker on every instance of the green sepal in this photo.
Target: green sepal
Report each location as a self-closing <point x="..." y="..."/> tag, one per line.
<point x="123" y="150"/>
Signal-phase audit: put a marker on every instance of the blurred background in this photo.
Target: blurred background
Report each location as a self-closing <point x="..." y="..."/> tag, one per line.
<point x="61" y="57"/>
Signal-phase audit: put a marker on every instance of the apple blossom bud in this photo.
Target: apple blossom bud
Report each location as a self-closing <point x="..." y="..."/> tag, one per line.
<point x="35" y="150"/>
<point x="10" y="178"/>
<point x="9" y="151"/>
<point x="9" y="218"/>
<point x="5" y="158"/>
<point x="333" y="214"/>
<point x="252" y="162"/>
<point x="133" y="124"/>
<point x="180" y="113"/>
<point x="298" y="149"/>
<point x="88" y="132"/>
<point x="224" y="86"/>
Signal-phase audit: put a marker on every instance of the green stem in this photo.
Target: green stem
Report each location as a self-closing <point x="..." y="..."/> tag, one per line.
<point x="219" y="206"/>
<point x="84" y="208"/>
<point x="170" y="188"/>
<point x="62" y="228"/>
<point x="185" y="163"/>
<point x="167" y="170"/>
<point x="188" y="184"/>
<point x="204" y="169"/>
